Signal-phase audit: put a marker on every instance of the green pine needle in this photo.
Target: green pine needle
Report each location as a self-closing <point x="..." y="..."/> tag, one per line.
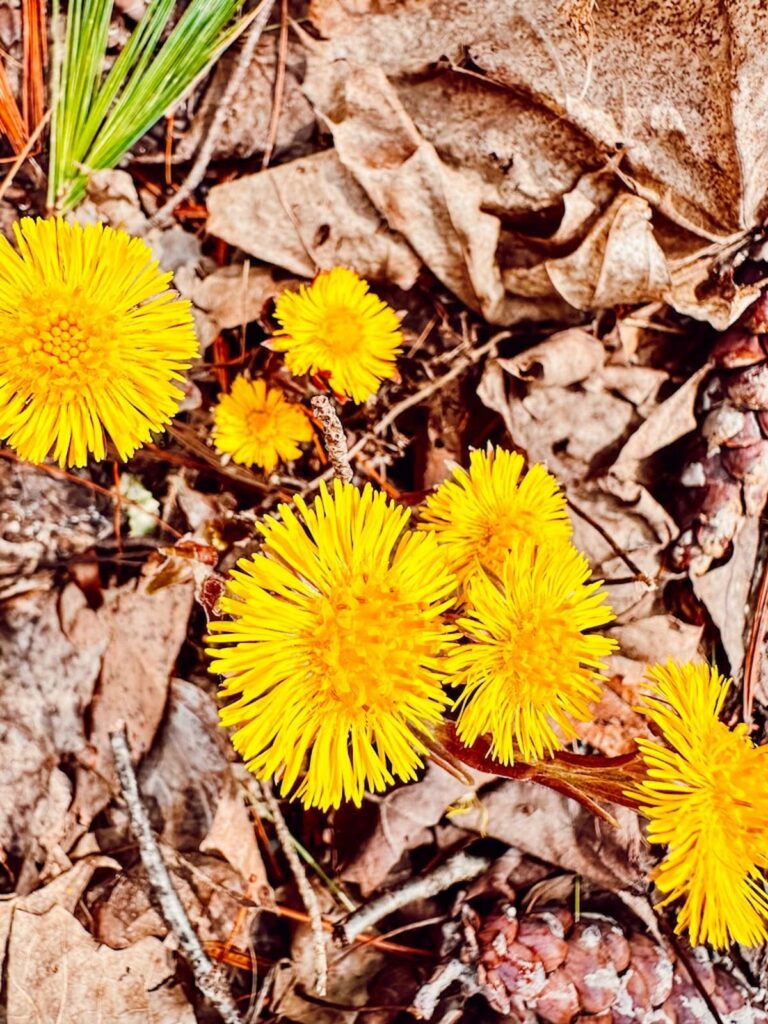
<point x="98" y="117"/>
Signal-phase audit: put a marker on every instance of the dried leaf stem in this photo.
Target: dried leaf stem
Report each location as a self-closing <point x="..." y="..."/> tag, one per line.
<point x="306" y="891"/>
<point x="334" y="437"/>
<point x="207" y="976"/>
<point x="459" y="868"/>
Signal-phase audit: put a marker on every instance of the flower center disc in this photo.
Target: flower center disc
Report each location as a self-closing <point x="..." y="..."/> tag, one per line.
<point x="342" y="331"/>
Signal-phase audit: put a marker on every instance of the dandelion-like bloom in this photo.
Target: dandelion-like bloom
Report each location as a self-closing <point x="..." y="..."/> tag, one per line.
<point x="530" y="667"/>
<point x="478" y="515"/>
<point x="257" y="426"/>
<point x="336" y="327"/>
<point x="706" y="797"/>
<point x="334" y="647"/>
<point x="94" y="342"/>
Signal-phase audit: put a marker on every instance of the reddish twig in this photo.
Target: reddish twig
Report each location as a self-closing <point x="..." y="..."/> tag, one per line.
<point x="35" y="61"/>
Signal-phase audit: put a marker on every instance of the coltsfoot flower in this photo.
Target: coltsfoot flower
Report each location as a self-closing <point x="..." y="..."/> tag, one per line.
<point x="530" y="667"/>
<point x="707" y="800"/>
<point x="258" y="426"/>
<point x="478" y="514"/>
<point x="338" y="328"/>
<point x="94" y="342"/>
<point x="334" y="649"/>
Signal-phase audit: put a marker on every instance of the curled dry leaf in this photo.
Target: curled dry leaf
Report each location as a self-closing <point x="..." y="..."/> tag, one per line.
<point x="438" y="209"/>
<point x="310" y="215"/>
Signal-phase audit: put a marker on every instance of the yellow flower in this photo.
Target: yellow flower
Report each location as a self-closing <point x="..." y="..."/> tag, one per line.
<point x="337" y="328"/>
<point x="707" y="800"/>
<point x="530" y="668"/>
<point x="93" y="341"/>
<point x="334" y="647"/>
<point x="257" y="426"/>
<point x="478" y="515"/>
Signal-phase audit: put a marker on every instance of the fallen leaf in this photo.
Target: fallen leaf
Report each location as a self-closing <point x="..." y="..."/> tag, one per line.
<point x="143" y="631"/>
<point x="57" y="972"/>
<point x="437" y="208"/>
<point x="565" y="358"/>
<point x="50" y="658"/>
<point x="725" y="591"/>
<point x="231" y="296"/>
<point x="405" y="819"/>
<point x="309" y="215"/>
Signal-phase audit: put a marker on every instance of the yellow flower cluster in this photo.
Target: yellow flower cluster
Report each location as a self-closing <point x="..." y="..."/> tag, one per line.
<point x="334" y="329"/>
<point x="347" y="630"/>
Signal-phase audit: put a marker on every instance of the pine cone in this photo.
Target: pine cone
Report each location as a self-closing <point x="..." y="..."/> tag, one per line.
<point x="725" y="476"/>
<point x="544" y="967"/>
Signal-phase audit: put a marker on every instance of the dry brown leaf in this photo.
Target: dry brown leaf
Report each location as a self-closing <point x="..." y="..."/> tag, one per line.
<point x="57" y="972"/>
<point x="50" y="658"/>
<point x="553" y="828"/>
<point x="231" y="296"/>
<point x="437" y="208"/>
<point x="687" y="145"/>
<point x="246" y="125"/>
<point x="724" y="591"/>
<point x="671" y="420"/>
<point x="188" y="780"/>
<point x="405" y="819"/>
<point x="44" y="519"/>
<point x="143" y="633"/>
<point x="309" y="215"/>
<point x="565" y="358"/>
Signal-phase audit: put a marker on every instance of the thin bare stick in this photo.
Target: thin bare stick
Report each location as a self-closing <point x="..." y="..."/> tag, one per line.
<point x="197" y="172"/>
<point x="474" y="356"/>
<point x="640" y="576"/>
<point x="306" y="891"/>
<point x="208" y="978"/>
<point x="334" y="437"/>
<point x="277" y="97"/>
<point x="753" y="660"/>
<point x="459" y="868"/>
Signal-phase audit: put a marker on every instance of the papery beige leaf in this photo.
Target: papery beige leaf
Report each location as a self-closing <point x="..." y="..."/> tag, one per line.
<point x="565" y="358"/>
<point x="310" y="215"/>
<point x="437" y="208"/>
<point x="231" y="296"/>
<point x="618" y="263"/>
<point x="57" y="973"/>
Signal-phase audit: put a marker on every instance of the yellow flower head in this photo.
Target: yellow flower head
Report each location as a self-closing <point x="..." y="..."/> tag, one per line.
<point x="334" y="647"/>
<point x="478" y="515"/>
<point x="338" y="328"/>
<point x="707" y="800"/>
<point x="94" y="342"/>
<point x="257" y="426"/>
<point x="530" y="667"/>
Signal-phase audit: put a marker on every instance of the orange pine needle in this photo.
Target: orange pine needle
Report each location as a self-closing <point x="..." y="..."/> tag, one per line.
<point x="11" y="123"/>
<point x="35" y="61"/>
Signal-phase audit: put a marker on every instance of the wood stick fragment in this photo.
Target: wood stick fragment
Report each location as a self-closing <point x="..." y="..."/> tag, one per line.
<point x="459" y="868"/>
<point x="334" y="437"/>
<point x="306" y="891"/>
<point x="208" y="978"/>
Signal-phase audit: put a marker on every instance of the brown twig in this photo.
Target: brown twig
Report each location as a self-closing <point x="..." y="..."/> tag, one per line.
<point x="640" y="576"/>
<point x="223" y="109"/>
<point x="306" y="891"/>
<point x="459" y="868"/>
<point x="207" y="976"/>
<point x="277" y="98"/>
<point x="334" y="437"/>
<point x="462" y="364"/>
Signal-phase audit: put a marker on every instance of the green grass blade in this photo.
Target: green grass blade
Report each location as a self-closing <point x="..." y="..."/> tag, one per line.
<point x="98" y="118"/>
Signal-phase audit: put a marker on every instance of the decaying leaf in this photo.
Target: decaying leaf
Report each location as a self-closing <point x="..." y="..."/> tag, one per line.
<point x="56" y="972"/>
<point x="309" y="215"/>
